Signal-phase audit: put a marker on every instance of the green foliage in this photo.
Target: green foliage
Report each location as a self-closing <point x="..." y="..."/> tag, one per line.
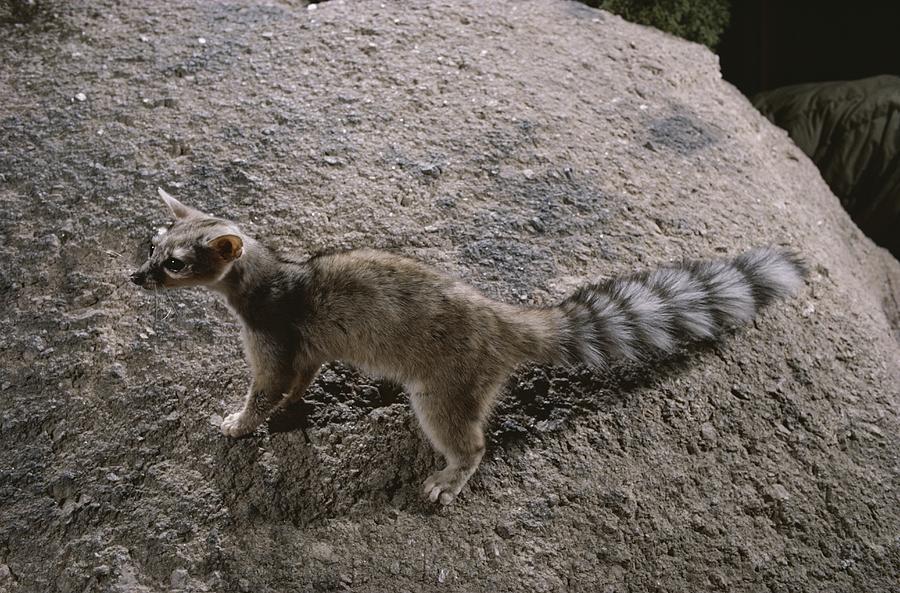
<point x="702" y="21"/>
<point x="20" y="11"/>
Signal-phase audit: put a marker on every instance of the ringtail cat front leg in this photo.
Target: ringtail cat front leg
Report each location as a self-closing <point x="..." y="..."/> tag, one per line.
<point x="262" y="397"/>
<point x="277" y="380"/>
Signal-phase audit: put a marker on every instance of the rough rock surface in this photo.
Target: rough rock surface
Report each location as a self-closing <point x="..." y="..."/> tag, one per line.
<point x="521" y="145"/>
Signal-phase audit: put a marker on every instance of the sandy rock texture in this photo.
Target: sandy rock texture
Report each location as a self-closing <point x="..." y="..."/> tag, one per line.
<point x="522" y="145"/>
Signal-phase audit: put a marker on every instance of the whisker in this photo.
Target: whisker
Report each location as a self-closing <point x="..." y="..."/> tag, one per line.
<point x="98" y="247"/>
<point x="168" y="299"/>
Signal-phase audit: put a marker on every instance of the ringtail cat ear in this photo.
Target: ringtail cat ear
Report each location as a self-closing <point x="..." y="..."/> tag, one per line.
<point x="228" y="247"/>
<point x="177" y="209"/>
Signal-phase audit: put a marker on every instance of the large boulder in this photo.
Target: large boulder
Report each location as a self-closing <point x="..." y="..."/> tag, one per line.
<point x="525" y="146"/>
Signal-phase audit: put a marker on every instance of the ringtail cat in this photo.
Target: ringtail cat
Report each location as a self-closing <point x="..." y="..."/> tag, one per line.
<point x="451" y="347"/>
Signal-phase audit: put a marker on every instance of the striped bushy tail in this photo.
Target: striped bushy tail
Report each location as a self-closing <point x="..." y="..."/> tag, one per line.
<point x="649" y="313"/>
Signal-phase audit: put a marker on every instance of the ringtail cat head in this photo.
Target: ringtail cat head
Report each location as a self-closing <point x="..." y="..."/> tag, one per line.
<point x="195" y="250"/>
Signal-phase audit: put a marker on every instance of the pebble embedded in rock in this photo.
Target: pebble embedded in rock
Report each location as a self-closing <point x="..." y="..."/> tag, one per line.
<point x="504" y="530"/>
<point x="537" y="224"/>
<point x="430" y="170"/>
<point x="740" y="391"/>
<point x="178" y="578"/>
<point x="323" y="551"/>
<point x="709" y="434"/>
<point x="778" y="492"/>
<point x="51" y="241"/>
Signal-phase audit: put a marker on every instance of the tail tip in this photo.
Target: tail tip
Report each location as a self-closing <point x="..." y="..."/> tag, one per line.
<point x="781" y="268"/>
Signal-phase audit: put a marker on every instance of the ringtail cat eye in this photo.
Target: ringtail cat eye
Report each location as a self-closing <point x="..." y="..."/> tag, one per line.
<point x="173" y="265"/>
<point x="451" y="347"/>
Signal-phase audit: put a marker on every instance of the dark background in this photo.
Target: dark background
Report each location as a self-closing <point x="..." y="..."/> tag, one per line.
<point x="773" y="43"/>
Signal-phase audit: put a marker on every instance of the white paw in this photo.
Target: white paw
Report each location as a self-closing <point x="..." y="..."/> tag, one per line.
<point x="237" y="425"/>
<point x="445" y="485"/>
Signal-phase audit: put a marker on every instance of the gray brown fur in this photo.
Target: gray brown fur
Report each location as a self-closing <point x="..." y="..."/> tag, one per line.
<point x="450" y="346"/>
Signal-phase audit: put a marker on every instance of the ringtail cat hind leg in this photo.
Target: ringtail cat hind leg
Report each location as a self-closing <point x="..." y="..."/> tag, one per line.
<point x="302" y="380"/>
<point x="453" y="420"/>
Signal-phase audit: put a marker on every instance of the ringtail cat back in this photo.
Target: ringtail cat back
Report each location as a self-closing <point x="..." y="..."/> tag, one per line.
<point x="451" y="347"/>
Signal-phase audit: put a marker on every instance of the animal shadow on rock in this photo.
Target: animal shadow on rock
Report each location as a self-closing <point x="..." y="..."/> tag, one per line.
<point x="292" y="481"/>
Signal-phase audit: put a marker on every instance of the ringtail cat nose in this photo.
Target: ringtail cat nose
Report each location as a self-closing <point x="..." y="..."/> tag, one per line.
<point x="138" y="278"/>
